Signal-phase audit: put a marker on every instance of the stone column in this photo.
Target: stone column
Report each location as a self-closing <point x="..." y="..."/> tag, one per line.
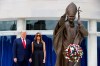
<point x="92" y="44"/>
<point x="21" y="25"/>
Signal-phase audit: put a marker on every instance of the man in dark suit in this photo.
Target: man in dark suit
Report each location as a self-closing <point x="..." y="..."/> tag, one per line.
<point x="22" y="50"/>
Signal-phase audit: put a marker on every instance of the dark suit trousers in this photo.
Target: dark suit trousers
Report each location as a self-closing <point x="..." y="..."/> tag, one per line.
<point x="22" y="63"/>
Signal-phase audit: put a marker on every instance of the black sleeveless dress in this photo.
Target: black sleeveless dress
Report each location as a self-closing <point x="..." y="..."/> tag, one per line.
<point x="38" y="55"/>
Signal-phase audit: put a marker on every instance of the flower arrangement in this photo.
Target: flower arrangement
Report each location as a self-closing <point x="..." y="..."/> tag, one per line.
<point x="73" y="53"/>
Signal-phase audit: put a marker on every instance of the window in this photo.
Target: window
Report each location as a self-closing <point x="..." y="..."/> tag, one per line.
<point x="8" y="25"/>
<point x="40" y="24"/>
<point x="98" y="26"/>
<point x="85" y="23"/>
<point x="44" y="24"/>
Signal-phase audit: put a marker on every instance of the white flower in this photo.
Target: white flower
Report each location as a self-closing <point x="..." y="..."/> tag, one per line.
<point x="74" y="50"/>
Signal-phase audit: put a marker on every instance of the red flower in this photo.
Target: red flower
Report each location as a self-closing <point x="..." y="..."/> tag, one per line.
<point x="73" y="52"/>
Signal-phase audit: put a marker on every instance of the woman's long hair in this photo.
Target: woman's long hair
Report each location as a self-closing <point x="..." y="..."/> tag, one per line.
<point x="35" y="38"/>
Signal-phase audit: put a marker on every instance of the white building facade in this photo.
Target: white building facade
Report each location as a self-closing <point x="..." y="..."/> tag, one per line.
<point x="17" y="15"/>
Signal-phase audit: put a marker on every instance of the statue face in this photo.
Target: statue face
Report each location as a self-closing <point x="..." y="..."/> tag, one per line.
<point x="71" y="18"/>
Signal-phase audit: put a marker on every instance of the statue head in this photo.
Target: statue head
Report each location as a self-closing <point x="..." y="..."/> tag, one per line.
<point x="71" y="11"/>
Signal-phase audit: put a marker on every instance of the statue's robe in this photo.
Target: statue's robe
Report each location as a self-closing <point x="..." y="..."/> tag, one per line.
<point x="65" y="35"/>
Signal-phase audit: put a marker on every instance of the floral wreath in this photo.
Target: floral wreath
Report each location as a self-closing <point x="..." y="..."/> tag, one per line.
<point x="73" y="53"/>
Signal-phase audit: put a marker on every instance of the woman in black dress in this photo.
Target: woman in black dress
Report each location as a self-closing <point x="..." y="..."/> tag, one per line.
<point x="38" y="51"/>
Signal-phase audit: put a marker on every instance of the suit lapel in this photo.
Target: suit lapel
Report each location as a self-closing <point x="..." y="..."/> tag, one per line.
<point x="26" y="43"/>
<point x="21" y="42"/>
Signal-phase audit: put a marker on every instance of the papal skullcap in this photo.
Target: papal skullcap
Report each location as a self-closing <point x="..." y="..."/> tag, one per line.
<point x="71" y="9"/>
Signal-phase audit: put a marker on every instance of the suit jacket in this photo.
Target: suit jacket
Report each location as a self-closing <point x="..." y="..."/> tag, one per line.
<point x="18" y="50"/>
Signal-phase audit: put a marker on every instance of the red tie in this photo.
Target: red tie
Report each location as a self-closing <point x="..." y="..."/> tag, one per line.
<point x="24" y="45"/>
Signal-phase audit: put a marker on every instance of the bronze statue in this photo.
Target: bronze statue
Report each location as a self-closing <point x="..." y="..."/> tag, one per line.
<point x="66" y="32"/>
